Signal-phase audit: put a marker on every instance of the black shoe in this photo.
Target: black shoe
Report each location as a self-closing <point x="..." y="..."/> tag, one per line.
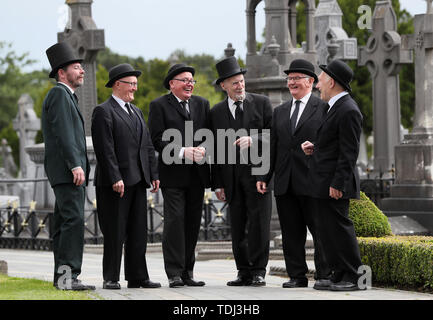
<point x="143" y="284"/>
<point x="258" y="281"/>
<point x="111" y="285"/>
<point x="193" y="283"/>
<point x="239" y="281"/>
<point x="296" y="283"/>
<point x="76" y="285"/>
<point x="322" y="284"/>
<point x="175" y="282"/>
<point x="344" y="286"/>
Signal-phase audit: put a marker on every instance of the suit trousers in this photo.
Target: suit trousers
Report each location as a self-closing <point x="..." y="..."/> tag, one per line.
<point x="68" y="233"/>
<point x="183" y="209"/>
<point x="336" y="233"/>
<point x="250" y="217"/>
<point x="123" y="222"/>
<point x="296" y="213"/>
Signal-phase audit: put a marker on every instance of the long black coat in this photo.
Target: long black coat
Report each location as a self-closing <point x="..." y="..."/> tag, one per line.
<point x="166" y="113"/>
<point x="288" y="161"/>
<point x="257" y="114"/>
<point x="333" y="163"/>
<point x="121" y="154"/>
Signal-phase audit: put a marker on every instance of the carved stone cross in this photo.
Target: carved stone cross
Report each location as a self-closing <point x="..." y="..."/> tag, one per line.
<point x="384" y="55"/>
<point x="87" y="40"/>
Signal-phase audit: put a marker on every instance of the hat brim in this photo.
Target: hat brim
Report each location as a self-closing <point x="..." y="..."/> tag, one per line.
<point x="219" y="80"/>
<point x="54" y="71"/>
<point x="174" y="73"/>
<point x="304" y="71"/>
<point x="135" y="73"/>
<point x="335" y="77"/>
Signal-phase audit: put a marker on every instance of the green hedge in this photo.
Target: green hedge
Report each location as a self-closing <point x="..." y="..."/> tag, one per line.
<point x="367" y="219"/>
<point x="397" y="260"/>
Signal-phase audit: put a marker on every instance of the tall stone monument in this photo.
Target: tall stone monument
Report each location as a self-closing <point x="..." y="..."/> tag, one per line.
<point x="82" y="34"/>
<point x="384" y="55"/>
<point x="265" y="74"/>
<point x="331" y="41"/>
<point x="412" y="193"/>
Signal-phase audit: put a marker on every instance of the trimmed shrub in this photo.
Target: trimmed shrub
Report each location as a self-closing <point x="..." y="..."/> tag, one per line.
<point x="403" y="261"/>
<point x="368" y="220"/>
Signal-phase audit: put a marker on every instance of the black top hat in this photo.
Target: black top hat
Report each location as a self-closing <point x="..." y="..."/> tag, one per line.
<point x="121" y="71"/>
<point x="340" y="72"/>
<point x="175" y="70"/>
<point x="60" y="55"/>
<point x="227" y="68"/>
<point x="302" y="66"/>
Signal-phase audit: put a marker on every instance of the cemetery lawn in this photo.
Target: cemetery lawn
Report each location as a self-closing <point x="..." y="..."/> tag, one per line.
<point x="32" y="289"/>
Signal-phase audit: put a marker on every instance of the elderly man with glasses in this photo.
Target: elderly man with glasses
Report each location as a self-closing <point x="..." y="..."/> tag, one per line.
<point x="183" y="172"/>
<point x="126" y="166"/>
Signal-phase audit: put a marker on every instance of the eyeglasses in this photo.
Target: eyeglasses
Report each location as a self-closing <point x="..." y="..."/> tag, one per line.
<point x="132" y="84"/>
<point x="296" y="78"/>
<point x="186" y="81"/>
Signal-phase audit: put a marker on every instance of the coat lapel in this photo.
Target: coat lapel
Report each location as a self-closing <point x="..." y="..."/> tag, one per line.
<point x="248" y="112"/>
<point x="122" y="114"/>
<point x="309" y="110"/>
<point x="73" y="101"/>
<point x="176" y="105"/>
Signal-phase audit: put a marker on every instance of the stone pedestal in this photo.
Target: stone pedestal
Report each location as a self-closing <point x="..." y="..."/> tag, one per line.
<point x="412" y="193"/>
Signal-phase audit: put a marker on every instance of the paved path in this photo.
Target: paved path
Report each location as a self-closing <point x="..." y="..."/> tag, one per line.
<point x="39" y="264"/>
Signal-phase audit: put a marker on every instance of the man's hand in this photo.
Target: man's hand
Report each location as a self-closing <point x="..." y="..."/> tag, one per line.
<point x="195" y="153"/>
<point x="155" y="185"/>
<point x="79" y="176"/>
<point x="308" y="148"/>
<point x="199" y="153"/>
<point x="119" y="187"/>
<point x="221" y="195"/>
<point x="261" y="187"/>
<point x="334" y="193"/>
<point x="243" y="142"/>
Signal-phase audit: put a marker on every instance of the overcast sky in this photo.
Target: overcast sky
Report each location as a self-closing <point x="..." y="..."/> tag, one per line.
<point x="147" y="28"/>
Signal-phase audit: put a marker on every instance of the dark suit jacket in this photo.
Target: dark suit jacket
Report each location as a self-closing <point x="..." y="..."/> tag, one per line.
<point x="257" y="112"/>
<point x="121" y="154"/>
<point x="288" y="161"/>
<point x="64" y="136"/>
<point x="336" y="151"/>
<point x="166" y="113"/>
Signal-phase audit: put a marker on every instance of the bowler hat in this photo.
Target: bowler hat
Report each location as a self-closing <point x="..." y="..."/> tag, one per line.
<point x="340" y="72"/>
<point x="60" y="55"/>
<point x="227" y="68"/>
<point x="302" y="66"/>
<point x="175" y="70"/>
<point x="121" y="71"/>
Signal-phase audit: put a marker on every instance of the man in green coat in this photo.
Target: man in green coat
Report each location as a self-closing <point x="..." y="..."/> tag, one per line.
<point x="66" y="165"/>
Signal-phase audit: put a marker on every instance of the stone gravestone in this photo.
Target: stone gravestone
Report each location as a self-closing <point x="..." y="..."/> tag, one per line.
<point x="384" y="55"/>
<point x="412" y="193"/>
<point x="26" y="124"/>
<point x="87" y="40"/>
<point x="332" y="41"/>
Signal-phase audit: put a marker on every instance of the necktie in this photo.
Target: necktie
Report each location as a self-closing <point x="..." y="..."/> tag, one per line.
<point x="239" y="112"/>
<point x="185" y="111"/>
<point x="128" y="107"/>
<point x="295" y="116"/>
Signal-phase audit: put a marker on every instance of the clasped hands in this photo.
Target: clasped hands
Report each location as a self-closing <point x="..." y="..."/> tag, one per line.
<point x="195" y="154"/>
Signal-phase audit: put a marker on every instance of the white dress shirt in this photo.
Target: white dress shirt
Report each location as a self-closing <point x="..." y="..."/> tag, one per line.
<point x="302" y="106"/>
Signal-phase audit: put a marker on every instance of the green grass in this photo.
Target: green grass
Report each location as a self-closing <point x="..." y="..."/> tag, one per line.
<point x="32" y="289"/>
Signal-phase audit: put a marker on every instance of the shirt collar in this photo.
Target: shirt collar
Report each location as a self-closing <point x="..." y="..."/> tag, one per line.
<point x="70" y="89"/>
<point x="304" y="99"/>
<point x="119" y="101"/>
<point x="178" y="99"/>
<point x="232" y="105"/>
<point x="335" y="98"/>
